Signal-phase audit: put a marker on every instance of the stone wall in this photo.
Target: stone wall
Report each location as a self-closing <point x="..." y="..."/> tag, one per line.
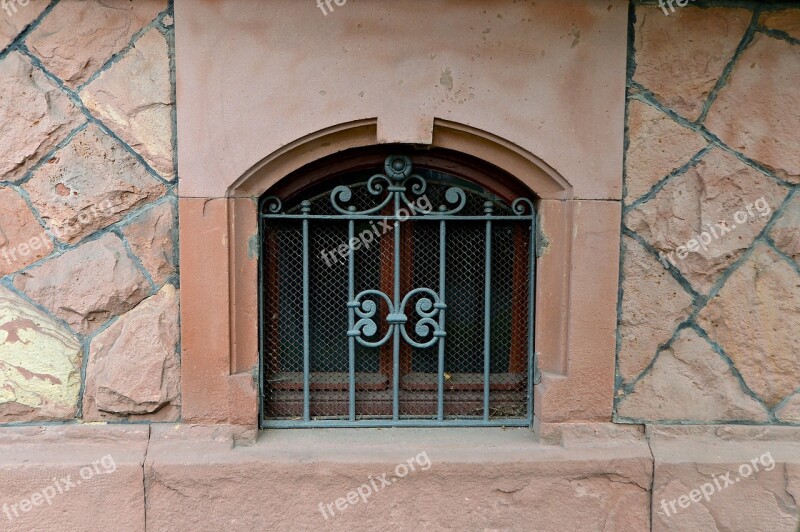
<point x="709" y="315"/>
<point x="88" y="220"/>
<point x="709" y="308"/>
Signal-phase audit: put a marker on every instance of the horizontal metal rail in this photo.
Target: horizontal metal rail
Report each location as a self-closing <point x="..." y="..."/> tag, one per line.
<point x="420" y="308"/>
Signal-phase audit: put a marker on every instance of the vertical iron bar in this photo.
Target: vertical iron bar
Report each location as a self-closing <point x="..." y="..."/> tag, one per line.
<point x="487" y="303"/>
<point x="262" y="354"/>
<point x="396" y="345"/>
<point x="305" y="208"/>
<point x="442" y="260"/>
<point x="531" y="313"/>
<point x="351" y="321"/>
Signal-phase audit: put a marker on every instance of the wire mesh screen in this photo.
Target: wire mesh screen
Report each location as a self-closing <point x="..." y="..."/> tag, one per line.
<point x="397" y="298"/>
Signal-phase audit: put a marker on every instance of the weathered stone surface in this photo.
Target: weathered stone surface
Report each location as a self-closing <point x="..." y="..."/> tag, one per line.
<point x="40" y="364"/>
<point x="35" y="114"/>
<point x="103" y="464"/>
<point x="689" y="381"/>
<point x="657" y="146"/>
<point x="478" y="480"/>
<point x="751" y="476"/>
<point x="653" y="304"/>
<point x="680" y="57"/>
<point x="790" y="411"/>
<point x="716" y="191"/>
<point x="90" y="184"/>
<point x="134" y="98"/>
<point x="763" y="129"/>
<point x="88" y="285"/>
<point x="152" y="238"/>
<point x="786" y="232"/>
<point x="755" y="318"/>
<point x="77" y="38"/>
<point x="133" y="365"/>
<point x="22" y="240"/>
<point x="787" y="20"/>
<point x="15" y="17"/>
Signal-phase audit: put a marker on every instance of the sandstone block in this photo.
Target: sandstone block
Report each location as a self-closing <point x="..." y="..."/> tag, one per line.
<point x="16" y="18"/>
<point x="755" y="318"/>
<point x="720" y="200"/>
<point x="485" y="480"/>
<point x="134" y="98"/>
<point x="22" y="240"/>
<point x="653" y="305"/>
<point x="764" y="129"/>
<point x="133" y="365"/>
<point x="787" y="20"/>
<point x="657" y="146"/>
<point x="35" y="114"/>
<point x="152" y="238"/>
<point x="72" y="477"/>
<point x="689" y="381"/>
<point x="90" y="184"/>
<point x="786" y="231"/>
<point x="751" y="476"/>
<point x="87" y="285"/>
<point x="790" y="411"/>
<point x="679" y="57"/>
<point x="77" y="38"/>
<point x="40" y="364"/>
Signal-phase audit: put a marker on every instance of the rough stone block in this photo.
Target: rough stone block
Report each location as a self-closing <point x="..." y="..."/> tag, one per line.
<point x="87" y="285"/>
<point x="133" y="367"/>
<point x="722" y="462"/>
<point x="40" y="364"/>
<point x="72" y="478"/>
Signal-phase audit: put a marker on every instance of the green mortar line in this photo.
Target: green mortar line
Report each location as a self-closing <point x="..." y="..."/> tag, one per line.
<point x="779" y="34"/>
<point x="7" y="283"/>
<point x="699" y="301"/>
<point x="20" y="38"/>
<point x="734" y="370"/>
<point x="693" y="161"/>
<point x="115" y="58"/>
<point x="792" y="264"/>
<point x="91" y="118"/>
<point x="747" y="38"/>
<point x="169" y="35"/>
<point x="153" y="286"/>
<point x="630" y="68"/>
<point x="648" y="97"/>
<point x="47" y="156"/>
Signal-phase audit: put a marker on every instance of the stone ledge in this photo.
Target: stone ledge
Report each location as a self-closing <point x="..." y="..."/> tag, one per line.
<point x="38" y="464"/>
<point x="595" y="476"/>
<point x="476" y="479"/>
<point x="689" y="458"/>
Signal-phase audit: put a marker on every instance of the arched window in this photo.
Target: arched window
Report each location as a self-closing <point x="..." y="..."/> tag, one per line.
<point x="397" y="291"/>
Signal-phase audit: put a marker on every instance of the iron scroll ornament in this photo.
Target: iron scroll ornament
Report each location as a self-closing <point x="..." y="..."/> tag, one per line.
<point x="398" y="180"/>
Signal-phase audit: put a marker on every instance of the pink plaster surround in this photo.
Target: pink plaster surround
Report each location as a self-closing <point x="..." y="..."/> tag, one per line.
<point x="536" y="90"/>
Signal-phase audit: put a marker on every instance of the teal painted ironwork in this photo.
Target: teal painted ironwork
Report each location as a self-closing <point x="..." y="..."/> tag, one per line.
<point x="412" y="320"/>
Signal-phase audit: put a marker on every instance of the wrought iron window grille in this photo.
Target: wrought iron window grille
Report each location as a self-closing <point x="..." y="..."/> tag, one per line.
<point x="427" y="322"/>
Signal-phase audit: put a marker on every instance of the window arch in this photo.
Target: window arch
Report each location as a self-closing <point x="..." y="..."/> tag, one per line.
<point x="397" y="290"/>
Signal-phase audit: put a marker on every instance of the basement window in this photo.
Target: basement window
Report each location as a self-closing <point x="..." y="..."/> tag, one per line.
<point x="399" y="295"/>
